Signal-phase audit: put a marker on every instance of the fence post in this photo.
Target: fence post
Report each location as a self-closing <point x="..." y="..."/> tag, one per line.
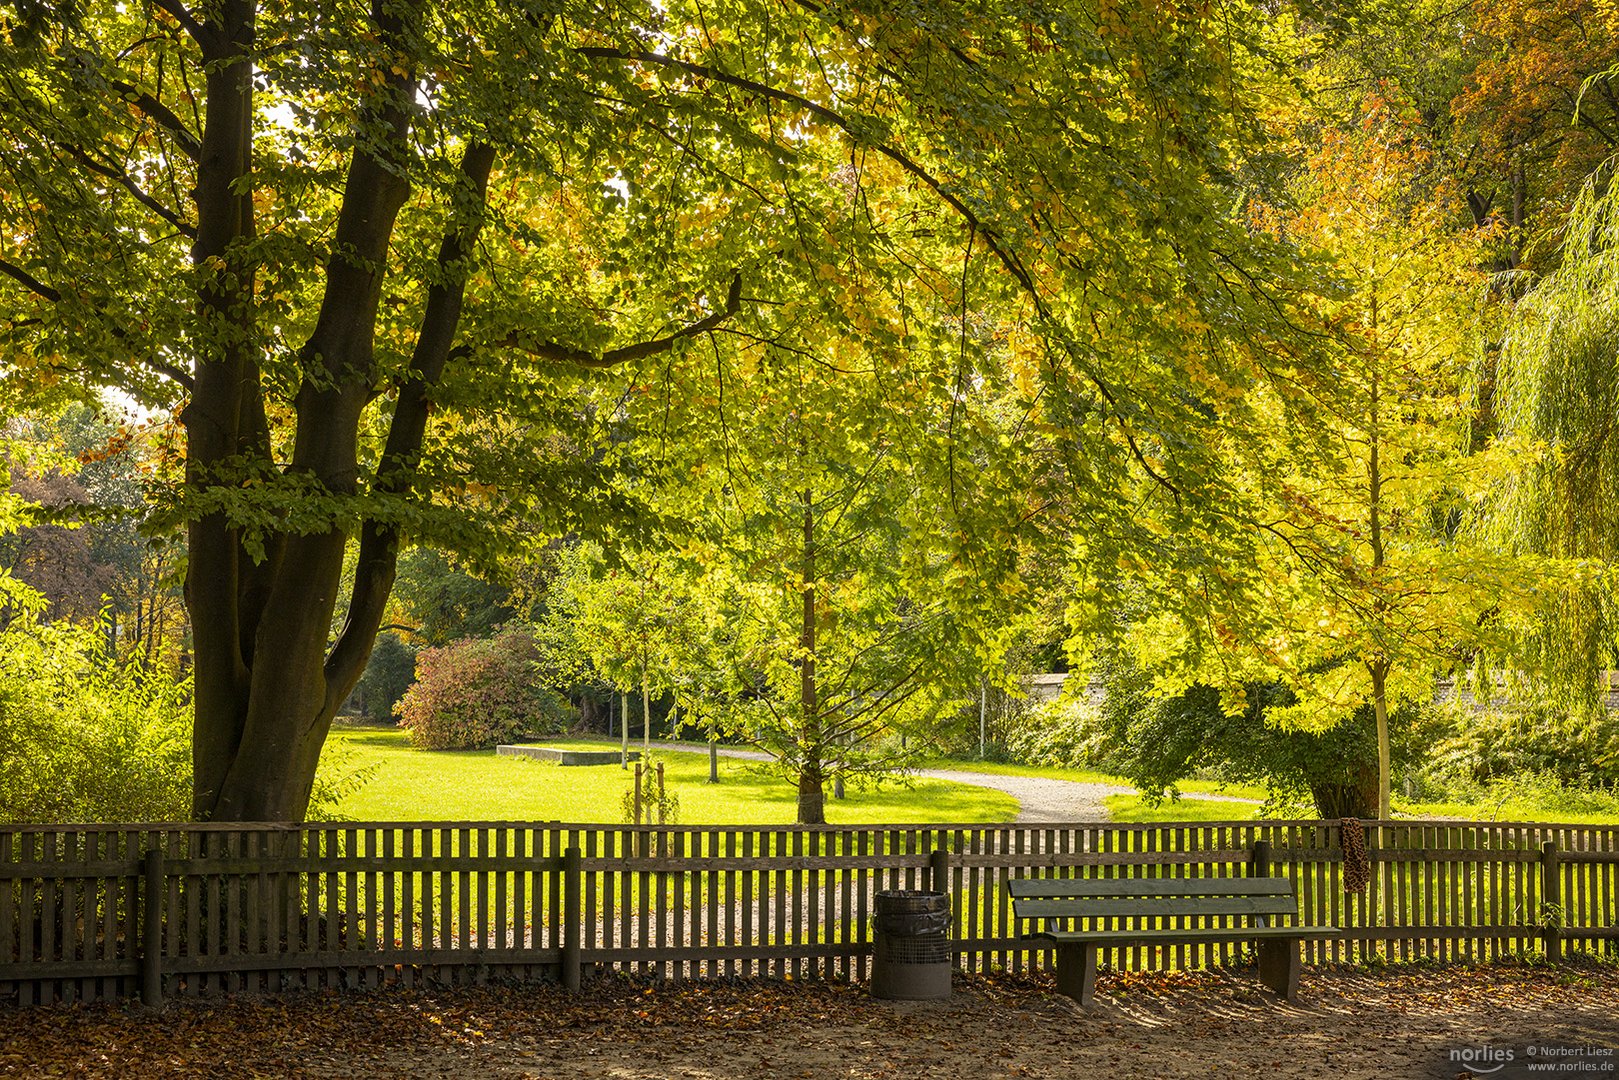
<point x="939" y="870"/>
<point x="1259" y="866"/>
<point x="1551" y="901"/>
<point x="571" y="918"/>
<point x="660" y="796"/>
<point x="1259" y="859"/>
<point x="152" y="928"/>
<point x="638" y="793"/>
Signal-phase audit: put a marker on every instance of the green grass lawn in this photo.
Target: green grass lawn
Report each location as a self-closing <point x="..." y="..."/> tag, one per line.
<point x="1501" y="811"/>
<point x="422" y="785"/>
<point x="1005" y="768"/>
<point x="1135" y="808"/>
<point x="1001" y="768"/>
<point x="478" y="785"/>
<point x="992" y="768"/>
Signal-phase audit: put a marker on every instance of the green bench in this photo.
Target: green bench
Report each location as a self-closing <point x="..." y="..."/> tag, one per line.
<point x="1082" y="915"/>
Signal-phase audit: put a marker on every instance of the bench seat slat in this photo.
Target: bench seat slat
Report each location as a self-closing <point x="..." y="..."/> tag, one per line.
<point x="1157" y="937"/>
<point x="1147" y="907"/>
<point x="1051" y="888"/>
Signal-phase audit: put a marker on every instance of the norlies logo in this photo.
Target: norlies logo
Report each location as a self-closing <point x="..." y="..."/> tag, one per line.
<point x="1482" y="1059"/>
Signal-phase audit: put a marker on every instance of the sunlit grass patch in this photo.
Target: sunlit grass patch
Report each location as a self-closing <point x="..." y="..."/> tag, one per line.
<point x="479" y="785"/>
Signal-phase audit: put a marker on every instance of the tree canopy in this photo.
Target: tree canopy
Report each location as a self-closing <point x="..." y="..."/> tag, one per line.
<point x="834" y="336"/>
<point x="399" y="266"/>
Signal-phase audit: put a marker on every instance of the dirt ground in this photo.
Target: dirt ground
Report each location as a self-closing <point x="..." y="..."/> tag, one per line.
<point x="1355" y="1023"/>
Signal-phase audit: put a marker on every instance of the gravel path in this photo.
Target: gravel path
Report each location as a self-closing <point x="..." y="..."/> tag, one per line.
<point x="1039" y="799"/>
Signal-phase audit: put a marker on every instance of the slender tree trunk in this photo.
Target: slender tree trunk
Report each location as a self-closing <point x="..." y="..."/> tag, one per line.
<point x="811" y="775"/>
<point x="1379" y="672"/>
<point x="983" y="719"/>
<point x="1520" y="215"/>
<point x="837" y="770"/>
<point x="1378" y="664"/>
<point x="646" y="717"/>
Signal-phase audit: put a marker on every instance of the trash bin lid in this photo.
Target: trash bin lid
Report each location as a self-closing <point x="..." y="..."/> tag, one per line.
<point x="910" y="901"/>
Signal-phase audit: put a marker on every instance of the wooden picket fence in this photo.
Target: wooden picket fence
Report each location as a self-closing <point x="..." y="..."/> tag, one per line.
<point x="93" y="912"/>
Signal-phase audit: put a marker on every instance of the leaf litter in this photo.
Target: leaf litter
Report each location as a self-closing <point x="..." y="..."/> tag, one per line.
<point x="1350" y="1022"/>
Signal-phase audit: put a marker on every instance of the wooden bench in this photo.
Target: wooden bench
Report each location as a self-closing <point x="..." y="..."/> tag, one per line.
<point x="1158" y="911"/>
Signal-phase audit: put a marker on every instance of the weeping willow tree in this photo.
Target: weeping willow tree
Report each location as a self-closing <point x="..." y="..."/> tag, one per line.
<point x="1557" y="400"/>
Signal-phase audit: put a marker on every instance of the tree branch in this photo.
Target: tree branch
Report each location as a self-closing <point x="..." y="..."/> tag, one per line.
<point x="992" y="237"/>
<point x="188" y="22"/>
<point x="123" y="178"/>
<point x="45" y="292"/>
<point x="379" y="543"/>
<point x="162" y="115"/>
<point x="838" y="120"/>
<point x="551" y="350"/>
<point x="30" y="282"/>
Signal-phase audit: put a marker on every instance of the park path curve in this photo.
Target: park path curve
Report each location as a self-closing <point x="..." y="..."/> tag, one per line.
<point x="1039" y="799"/>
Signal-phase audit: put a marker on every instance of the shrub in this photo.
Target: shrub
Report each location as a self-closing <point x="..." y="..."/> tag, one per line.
<point x="84" y="740"/>
<point x="1509" y="739"/>
<point x="475" y="693"/>
<point x="1065" y="734"/>
<point x="1157" y="741"/>
<point x="1542" y="795"/>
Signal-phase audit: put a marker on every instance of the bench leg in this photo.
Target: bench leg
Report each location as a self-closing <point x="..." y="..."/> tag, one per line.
<point x="1076" y="971"/>
<point x="1279" y="966"/>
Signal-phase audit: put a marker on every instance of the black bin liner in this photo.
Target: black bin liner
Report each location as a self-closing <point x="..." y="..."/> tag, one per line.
<point x="912" y="913"/>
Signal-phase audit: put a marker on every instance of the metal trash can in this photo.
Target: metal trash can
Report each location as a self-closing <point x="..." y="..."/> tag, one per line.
<point x="911" y="956"/>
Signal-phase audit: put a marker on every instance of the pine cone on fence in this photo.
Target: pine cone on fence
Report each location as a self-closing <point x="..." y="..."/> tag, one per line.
<point x="1357" y="867"/>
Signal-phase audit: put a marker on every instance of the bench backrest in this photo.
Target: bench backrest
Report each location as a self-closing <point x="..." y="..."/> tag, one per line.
<point x="1268" y="899"/>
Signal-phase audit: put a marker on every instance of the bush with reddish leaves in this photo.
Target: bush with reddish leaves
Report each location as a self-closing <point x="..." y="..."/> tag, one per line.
<point x="477" y="692"/>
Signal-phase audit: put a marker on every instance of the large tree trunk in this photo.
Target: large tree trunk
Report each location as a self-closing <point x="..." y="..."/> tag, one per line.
<point x="269" y="679"/>
<point x="1355" y="798"/>
<point x="1343" y="783"/>
<point x="1378" y="663"/>
<point x="220" y="400"/>
<point x="269" y="674"/>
